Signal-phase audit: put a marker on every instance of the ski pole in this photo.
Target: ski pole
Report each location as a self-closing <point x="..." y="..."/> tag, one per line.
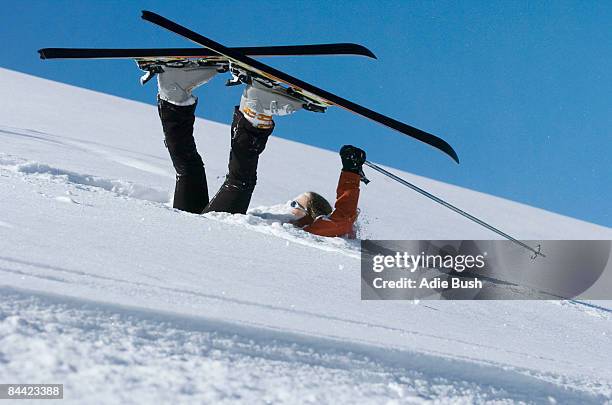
<point x="452" y="207"/>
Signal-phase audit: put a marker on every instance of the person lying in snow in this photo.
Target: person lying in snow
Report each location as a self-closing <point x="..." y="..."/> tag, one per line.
<point x="252" y="125"/>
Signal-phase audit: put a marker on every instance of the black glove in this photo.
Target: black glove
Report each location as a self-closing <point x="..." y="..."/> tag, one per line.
<point x="352" y="160"/>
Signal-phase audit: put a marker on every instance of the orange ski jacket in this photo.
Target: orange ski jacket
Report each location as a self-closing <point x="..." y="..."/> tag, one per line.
<point x="340" y="221"/>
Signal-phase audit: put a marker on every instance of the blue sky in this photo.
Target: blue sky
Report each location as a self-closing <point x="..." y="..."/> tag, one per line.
<point x="522" y="90"/>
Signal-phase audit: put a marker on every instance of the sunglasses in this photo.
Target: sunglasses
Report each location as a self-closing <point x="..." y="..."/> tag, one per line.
<point x="297" y="205"/>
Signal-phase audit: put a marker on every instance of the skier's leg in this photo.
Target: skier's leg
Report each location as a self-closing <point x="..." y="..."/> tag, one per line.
<point x="191" y="190"/>
<point x="176" y="106"/>
<point x="251" y="127"/>
<point x="247" y="143"/>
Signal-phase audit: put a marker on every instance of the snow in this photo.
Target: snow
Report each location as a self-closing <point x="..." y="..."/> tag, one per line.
<point x="107" y="289"/>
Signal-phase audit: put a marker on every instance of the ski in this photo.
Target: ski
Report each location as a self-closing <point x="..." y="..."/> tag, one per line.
<point x="319" y="96"/>
<point x="197" y="53"/>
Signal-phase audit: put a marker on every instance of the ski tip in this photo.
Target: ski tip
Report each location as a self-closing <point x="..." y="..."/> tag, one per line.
<point x="365" y="51"/>
<point x="150" y="16"/>
<point x="355" y="49"/>
<point x="41" y="53"/>
<point x="453" y="155"/>
<point x="344" y="48"/>
<point x="350" y="48"/>
<point x="147" y="14"/>
<point x="445" y="147"/>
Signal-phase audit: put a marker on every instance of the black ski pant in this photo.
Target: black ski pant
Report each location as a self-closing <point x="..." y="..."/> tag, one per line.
<point x="191" y="190"/>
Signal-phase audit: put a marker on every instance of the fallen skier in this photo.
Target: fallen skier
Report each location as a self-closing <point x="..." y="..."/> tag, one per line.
<point x="252" y="125"/>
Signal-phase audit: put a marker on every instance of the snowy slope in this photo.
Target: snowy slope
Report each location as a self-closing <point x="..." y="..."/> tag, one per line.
<point x="104" y="284"/>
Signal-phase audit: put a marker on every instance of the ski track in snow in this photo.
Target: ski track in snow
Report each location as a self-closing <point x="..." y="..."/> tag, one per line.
<point x="124" y="352"/>
<point x="119" y="187"/>
<point x="112" y="154"/>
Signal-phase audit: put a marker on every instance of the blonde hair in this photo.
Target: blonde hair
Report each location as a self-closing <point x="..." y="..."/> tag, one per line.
<point x="317" y="205"/>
